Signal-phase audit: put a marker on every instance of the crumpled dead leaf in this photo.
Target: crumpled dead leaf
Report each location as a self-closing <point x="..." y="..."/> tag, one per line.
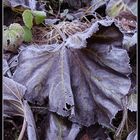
<point x="84" y="78"/>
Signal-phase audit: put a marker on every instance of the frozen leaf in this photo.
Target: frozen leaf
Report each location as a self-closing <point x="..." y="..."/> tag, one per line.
<point x="28" y="18"/>
<point x="39" y="16"/>
<point x="15" y="105"/>
<point x="84" y="78"/>
<point x="132" y="102"/>
<point x="132" y="135"/>
<point x="27" y="34"/>
<point x="12" y="96"/>
<point x="13" y="37"/>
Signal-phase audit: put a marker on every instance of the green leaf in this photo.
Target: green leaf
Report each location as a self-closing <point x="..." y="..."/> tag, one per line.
<point x="39" y="16"/>
<point x="28" y="18"/>
<point x="27" y="34"/>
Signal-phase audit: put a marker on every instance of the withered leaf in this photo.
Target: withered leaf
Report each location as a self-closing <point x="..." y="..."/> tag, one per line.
<point x="15" y="105"/>
<point x="12" y="96"/>
<point x="84" y="78"/>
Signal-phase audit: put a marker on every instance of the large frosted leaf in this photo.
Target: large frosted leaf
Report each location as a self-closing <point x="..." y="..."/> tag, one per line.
<point x="84" y="78"/>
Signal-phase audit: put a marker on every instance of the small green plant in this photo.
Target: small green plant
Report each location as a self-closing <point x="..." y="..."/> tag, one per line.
<point x="29" y="18"/>
<point x="27" y="34"/>
<point x="15" y="34"/>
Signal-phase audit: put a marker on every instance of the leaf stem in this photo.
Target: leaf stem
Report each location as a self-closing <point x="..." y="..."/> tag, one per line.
<point x="22" y="130"/>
